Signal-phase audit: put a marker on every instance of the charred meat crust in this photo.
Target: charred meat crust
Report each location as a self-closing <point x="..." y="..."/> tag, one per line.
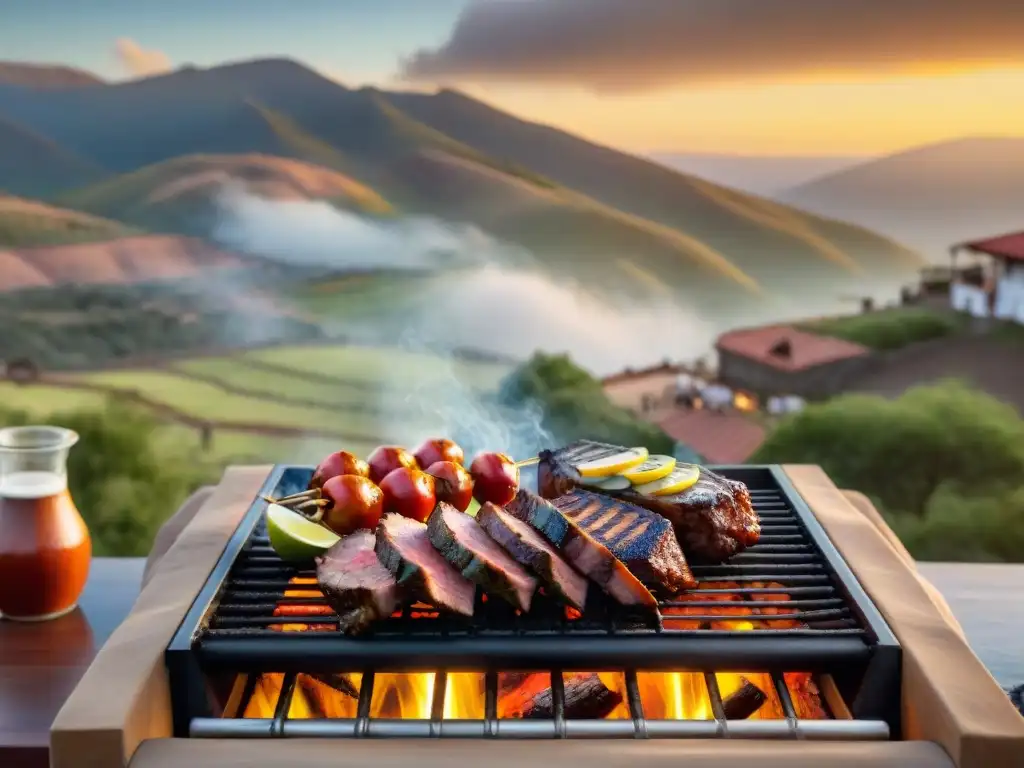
<point x="585" y="553"/>
<point x="404" y="548"/>
<point x="641" y="539"/>
<point x="713" y="520"/>
<point x="464" y="544"/>
<point x="355" y="584"/>
<point x="533" y="551"/>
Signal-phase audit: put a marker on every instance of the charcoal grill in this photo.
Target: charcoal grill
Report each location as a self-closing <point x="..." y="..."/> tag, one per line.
<point x="230" y="629"/>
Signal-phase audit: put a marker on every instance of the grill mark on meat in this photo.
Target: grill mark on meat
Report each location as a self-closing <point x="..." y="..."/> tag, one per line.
<point x="648" y="548"/>
<point x="355" y="584"/>
<point x="626" y="522"/>
<point x="534" y="552"/>
<point x="589" y="556"/>
<point x="714" y="519"/>
<point x="404" y="548"/>
<point x="600" y="522"/>
<point x="463" y="543"/>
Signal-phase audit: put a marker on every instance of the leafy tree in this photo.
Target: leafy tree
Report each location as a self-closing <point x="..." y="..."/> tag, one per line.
<point x="944" y="463"/>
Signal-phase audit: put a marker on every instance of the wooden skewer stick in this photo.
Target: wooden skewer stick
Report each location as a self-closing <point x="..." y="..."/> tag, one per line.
<point x="528" y="462"/>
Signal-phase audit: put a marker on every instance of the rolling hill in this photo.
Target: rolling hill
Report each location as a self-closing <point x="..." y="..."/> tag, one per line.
<point x="26" y="223"/>
<point x="45" y="75"/>
<point x="928" y="197"/>
<point x="585" y="210"/>
<point x="177" y="195"/>
<point x="35" y="166"/>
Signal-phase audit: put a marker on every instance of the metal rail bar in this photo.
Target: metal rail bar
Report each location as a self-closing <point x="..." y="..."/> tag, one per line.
<point x="811" y="730"/>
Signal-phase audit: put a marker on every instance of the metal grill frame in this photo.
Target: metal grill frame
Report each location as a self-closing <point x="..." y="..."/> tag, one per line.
<point x="865" y="663"/>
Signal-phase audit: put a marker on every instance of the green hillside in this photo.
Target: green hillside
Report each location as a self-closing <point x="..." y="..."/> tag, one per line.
<point x="176" y="195"/>
<point x="25" y="223"/>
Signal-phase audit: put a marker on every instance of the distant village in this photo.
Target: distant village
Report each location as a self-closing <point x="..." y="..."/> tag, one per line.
<point x="723" y="412"/>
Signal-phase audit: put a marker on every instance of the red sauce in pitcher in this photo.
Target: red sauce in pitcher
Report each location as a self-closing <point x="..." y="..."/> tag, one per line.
<point x="45" y="548"/>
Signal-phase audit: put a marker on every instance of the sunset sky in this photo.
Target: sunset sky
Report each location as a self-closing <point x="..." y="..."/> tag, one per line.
<point x="739" y="76"/>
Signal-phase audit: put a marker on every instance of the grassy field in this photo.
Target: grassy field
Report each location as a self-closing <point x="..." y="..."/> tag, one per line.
<point x="353" y="391"/>
<point x="890" y="329"/>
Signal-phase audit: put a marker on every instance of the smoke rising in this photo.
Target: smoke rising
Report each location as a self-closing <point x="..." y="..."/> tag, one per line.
<point x="470" y="293"/>
<point x="481" y="294"/>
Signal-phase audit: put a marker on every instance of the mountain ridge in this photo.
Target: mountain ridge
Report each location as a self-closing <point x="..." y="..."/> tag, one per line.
<point x="400" y="145"/>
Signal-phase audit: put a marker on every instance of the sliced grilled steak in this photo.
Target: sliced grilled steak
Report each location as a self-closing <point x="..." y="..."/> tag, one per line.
<point x="463" y="543"/>
<point x="404" y="548"/>
<point x="713" y="520"/>
<point x="641" y="539"/>
<point x="532" y="550"/>
<point x="589" y="556"/>
<point x="586" y="698"/>
<point x="355" y="584"/>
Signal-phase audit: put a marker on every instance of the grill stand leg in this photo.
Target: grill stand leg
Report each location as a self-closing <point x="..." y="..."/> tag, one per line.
<point x="878" y="697"/>
<point x="188" y="691"/>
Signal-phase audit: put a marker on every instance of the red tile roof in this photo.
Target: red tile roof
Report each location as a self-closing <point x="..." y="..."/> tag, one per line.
<point x="1005" y="246"/>
<point x="805" y="350"/>
<point x="720" y="438"/>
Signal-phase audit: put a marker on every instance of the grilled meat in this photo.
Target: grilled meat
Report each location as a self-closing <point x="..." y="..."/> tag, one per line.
<point x="404" y="548"/>
<point x="532" y="550"/>
<point x="589" y="556"/>
<point x="713" y="520"/>
<point x="463" y="543"/>
<point x="586" y="698"/>
<point x="641" y="539"/>
<point x="355" y="584"/>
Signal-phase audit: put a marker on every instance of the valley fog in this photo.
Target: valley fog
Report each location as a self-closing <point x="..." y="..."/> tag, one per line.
<point x="487" y="295"/>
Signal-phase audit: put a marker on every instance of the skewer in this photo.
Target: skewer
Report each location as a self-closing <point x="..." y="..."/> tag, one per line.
<point x="313" y="493"/>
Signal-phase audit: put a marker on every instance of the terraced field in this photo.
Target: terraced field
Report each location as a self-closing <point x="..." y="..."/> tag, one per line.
<point x="280" y="404"/>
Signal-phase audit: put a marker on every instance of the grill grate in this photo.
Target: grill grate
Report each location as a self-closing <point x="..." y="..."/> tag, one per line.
<point x="807" y="612"/>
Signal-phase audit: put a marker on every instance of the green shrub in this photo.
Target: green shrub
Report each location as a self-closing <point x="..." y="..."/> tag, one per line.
<point x="889" y="329"/>
<point x="936" y="461"/>
<point x="574" y="405"/>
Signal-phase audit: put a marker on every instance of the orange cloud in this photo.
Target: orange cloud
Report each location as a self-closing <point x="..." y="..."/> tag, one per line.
<point x="623" y="45"/>
<point x="140" y="61"/>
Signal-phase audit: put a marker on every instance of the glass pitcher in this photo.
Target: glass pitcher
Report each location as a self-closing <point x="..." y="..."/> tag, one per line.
<point x="45" y="546"/>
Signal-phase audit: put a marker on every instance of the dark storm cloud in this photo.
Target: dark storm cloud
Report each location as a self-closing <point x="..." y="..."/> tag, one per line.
<point x="639" y="44"/>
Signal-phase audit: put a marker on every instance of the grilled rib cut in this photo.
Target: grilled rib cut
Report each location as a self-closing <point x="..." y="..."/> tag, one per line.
<point x="355" y="584"/>
<point x="463" y="543"/>
<point x="404" y="548"/>
<point x="533" y="551"/>
<point x="589" y="556"/>
<point x="641" y="539"/>
<point x="713" y="519"/>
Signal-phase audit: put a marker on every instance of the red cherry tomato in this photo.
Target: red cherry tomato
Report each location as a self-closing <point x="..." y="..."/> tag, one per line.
<point x="338" y="463"/>
<point x="387" y="458"/>
<point x="495" y="478"/>
<point x="438" y="449"/>
<point x="452" y="483"/>
<point x="409" y="492"/>
<point x="353" y="502"/>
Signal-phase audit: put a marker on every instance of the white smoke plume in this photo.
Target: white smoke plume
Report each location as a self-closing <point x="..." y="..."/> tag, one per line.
<point x="472" y="293"/>
<point x="499" y="300"/>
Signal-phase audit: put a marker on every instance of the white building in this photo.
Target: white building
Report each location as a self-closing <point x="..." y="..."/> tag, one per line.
<point x="1000" y="292"/>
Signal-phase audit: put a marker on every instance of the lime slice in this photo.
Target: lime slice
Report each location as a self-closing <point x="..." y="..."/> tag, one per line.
<point x="614" y="464"/>
<point x="678" y="480"/>
<point x="655" y="468"/>
<point x="613" y="483"/>
<point x="295" y="537"/>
